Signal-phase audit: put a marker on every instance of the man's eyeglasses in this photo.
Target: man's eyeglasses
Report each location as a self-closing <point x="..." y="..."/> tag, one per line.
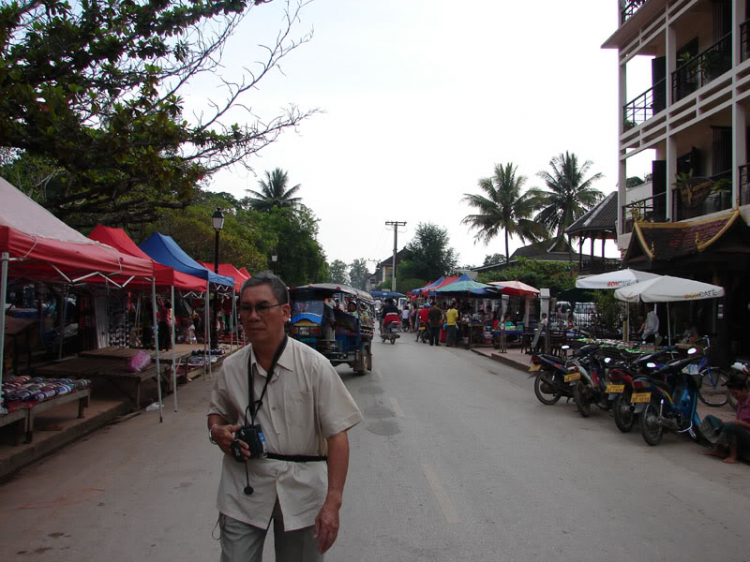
<point x="262" y="308"/>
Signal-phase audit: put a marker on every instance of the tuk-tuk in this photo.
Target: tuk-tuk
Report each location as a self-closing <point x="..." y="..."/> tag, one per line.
<point x="337" y="321"/>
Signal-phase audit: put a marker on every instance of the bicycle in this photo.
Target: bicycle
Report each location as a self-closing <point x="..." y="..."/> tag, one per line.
<point x="711" y="390"/>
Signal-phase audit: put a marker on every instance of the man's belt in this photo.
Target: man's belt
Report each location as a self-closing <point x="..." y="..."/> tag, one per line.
<point x="295" y="458"/>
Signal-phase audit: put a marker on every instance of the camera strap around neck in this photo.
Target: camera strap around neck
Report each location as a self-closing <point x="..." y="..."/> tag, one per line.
<point x="253" y="405"/>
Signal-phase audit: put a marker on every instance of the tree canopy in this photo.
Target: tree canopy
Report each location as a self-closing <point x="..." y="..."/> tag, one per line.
<point x="338" y="272"/>
<point x="503" y="207"/>
<point x="274" y="193"/>
<point x="428" y="255"/>
<point x="570" y="193"/>
<point x="358" y="273"/>
<point x="551" y="275"/>
<point x="91" y="95"/>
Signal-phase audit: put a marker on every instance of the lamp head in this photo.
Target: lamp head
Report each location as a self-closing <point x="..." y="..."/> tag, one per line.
<point x="217" y="219"/>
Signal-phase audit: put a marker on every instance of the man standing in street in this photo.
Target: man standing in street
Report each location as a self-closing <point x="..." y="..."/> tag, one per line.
<point x="436" y="322"/>
<point x="451" y="319"/>
<point x="295" y="412"/>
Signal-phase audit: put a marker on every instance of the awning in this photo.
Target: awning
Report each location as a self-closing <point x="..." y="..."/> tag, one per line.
<point x="228" y="270"/>
<point x="165" y="275"/>
<point x="43" y="247"/>
<point x="515" y="288"/>
<point x="164" y="249"/>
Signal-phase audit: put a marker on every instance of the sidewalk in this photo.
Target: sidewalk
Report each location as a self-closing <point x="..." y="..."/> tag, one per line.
<point x="60" y="426"/>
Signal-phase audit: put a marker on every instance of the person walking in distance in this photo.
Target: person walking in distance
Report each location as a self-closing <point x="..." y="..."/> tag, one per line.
<point x="436" y="322"/>
<point x="279" y="413"/>
<point x="451" y="319"/>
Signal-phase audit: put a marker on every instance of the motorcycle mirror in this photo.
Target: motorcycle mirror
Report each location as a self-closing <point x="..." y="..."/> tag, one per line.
<point x="651" y="365"/>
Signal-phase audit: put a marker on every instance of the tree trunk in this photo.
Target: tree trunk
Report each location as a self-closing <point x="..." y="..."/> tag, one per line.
<point x="507" y="255"/>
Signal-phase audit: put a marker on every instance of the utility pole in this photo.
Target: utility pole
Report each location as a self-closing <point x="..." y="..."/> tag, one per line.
<point x="395" y="225"/>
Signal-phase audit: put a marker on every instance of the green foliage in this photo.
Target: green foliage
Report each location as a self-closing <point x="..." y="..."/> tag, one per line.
<point x="409" y="284"/>
<point x="634" y="181"/>
<point x="551" y="275"/>
<point x="502" y="207"/>
<point x="94" y="89"/>
<point x="570" y="195"/>
<point x="248" y="238"/>
<point x="339" y="274"/>
<point x="493" y="259"/>
<point x="611" y="312"/>
<point x="274" y="193"/>
<point x="358" y="273"/>
<point x="428" y="255"/>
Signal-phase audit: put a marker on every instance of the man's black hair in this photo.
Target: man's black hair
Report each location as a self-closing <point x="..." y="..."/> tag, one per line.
<point x="278" y="287"/>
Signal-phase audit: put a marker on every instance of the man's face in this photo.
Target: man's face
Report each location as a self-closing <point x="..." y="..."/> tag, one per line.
<point x="739" y="394"/>
<point x="266" y="327"/>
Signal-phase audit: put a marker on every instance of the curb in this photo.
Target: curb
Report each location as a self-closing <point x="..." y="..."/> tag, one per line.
<point x="505" y="361"/>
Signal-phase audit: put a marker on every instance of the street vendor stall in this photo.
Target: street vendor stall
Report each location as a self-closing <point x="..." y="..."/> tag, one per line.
<point x="472" y="332"/>
<point x="36" y="245"/>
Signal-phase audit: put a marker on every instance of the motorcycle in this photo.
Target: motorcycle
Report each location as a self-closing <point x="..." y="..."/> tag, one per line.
<point x="662" y="405"/>
<point x="390" y="332"/>
<point x="422" y="334"/>
<point x="554" y="374"/>
<point x="620" y="387"/>
<point x="591" y="388"/>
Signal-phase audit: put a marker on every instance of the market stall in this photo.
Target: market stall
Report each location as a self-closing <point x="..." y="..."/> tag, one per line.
<point x="35" y="245"/>
<point x="471" y="331"/>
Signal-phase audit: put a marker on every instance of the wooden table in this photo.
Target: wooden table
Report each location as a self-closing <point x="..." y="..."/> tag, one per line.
<point x="89" y="368"/>
<point x="19" y="418"/>
<point x="83" y="397"/>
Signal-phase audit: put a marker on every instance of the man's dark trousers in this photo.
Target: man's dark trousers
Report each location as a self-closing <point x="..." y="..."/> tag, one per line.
<point x="435" y="335"/>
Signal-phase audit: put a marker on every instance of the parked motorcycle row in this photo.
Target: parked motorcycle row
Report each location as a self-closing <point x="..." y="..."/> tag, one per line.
<point x="658" y="392"/>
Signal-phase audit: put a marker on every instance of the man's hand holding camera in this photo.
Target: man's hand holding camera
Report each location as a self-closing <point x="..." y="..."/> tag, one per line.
<point x="223" y="436"/>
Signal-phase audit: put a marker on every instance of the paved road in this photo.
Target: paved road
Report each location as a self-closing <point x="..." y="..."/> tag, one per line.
<point x="456" y="461"/>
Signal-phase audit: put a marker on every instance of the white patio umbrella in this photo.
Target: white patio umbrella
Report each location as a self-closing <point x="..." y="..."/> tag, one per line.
<point x="669" y="289"/>
<point x="614" y="279"/>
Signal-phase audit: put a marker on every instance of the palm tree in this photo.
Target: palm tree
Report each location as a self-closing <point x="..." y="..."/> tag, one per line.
<point x="274" y="193"/>
<point x="569" y="195"/>
<point x="502" y="206"/>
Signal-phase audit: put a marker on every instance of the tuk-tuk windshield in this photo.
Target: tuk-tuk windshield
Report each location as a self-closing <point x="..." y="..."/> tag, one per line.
<point x="311" y="310"/>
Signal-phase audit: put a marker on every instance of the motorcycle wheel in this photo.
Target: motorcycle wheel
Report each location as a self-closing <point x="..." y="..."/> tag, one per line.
<point x="711" y="390"/>
<point x="548" y="399"/>
<point x="579" y="395"/>
<point x="651" y="429"/>
<point x="623" y="411"/>
<point x="393" y="340"/>
<point x="368" y="353"/>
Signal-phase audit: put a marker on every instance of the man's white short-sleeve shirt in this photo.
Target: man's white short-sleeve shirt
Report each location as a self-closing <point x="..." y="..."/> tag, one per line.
<point x="305" y="403"/>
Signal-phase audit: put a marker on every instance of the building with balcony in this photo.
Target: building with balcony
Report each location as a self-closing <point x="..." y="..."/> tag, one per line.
<point x="690" y="218"/>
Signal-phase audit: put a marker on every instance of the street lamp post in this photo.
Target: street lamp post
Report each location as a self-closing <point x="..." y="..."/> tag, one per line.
<point x="217" y="220"/>
<point x="274" y="259"/>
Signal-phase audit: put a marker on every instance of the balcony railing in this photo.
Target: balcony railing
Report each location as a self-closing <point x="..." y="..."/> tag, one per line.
<point x="598" y="265"/>
<point x="745" y="185"/>
<point x="744" y="40"/>
<point x="644" y="107"/>
<point x="703" y="68"/>
<point x="706" y="196"/>
<point x="650" y="209"/>
<point x="631" y="7"/>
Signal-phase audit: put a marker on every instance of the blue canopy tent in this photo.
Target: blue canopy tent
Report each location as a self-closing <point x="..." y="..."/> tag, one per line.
<point x="164" y="250"/>
<point x="466" y="286"/>
<point x="425" y="290"/>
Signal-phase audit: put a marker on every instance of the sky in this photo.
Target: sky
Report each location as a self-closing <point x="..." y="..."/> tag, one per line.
<point x="418" y="100"/>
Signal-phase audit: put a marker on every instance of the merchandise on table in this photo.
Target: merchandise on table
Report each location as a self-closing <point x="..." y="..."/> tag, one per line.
<point x="38" y="389"/>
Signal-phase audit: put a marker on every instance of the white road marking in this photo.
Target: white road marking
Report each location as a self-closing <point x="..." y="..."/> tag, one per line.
<point x="441" y="495"/>
<point x="396" y="408"/>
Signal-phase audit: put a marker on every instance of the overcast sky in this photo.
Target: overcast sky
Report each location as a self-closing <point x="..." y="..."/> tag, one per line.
<point x="421" y="98"/>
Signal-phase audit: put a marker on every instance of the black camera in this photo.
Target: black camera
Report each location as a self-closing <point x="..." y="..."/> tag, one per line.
<point x="256" y="441"/>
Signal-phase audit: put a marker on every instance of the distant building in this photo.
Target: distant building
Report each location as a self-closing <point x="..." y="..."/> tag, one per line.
<point x="384" y="270"/>
<point x="554" y="249"/>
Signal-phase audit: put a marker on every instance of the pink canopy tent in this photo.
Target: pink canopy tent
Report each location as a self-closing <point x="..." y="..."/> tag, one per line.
<point x="228" y="270"/>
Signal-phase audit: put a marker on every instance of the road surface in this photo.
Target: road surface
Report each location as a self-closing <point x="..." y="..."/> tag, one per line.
<point x="456" y="460"/>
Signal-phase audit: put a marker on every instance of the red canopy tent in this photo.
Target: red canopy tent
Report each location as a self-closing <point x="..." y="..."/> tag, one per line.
<point x="165" y="275"/>
<point x="228" y="270"/>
